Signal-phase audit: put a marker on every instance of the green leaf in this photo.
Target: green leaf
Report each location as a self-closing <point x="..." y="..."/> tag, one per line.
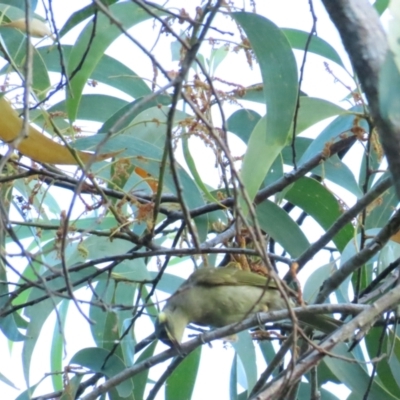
<point x="275" y="172"/>
<point x="57" y="346"/>
<point x="233" y="395"/>
<point x="390" y="253"/>
<point x="40" y="77"/>
<point x="322" y="205"/>
<point x="150" y="125"/>
<point x="111" y="323"/>
<point x="141" y="380"/>
<point x="10" y="329"/>
<point x="128" y="14"/>
<point x="353" y="247"/>
<point x="98" y="247"/>
<point x="114" y="73"/>
<point x="338" y="172"/>
<point x="305" y="392"/>
<point x="315" y="280"/>
<point x="72" y="386"/>
<point x="111" y="331"/>
<point x="193" y="170"/>
<point x="78" y="16"/>
<point x="245" y="350"/>
<point x="8" y="324"/>
<point x="380" y="211"/>
<point x="278" y="69"/>
<point x="217" y="56"/>
<point x="332" y="133"/>
<point x="237" y="378"/>
<point x="333" y="168"/>
<point x="388" y="377"/>
<point x="7" y="381"/>
<point x="381" y="5"/>
<point x="91" y="223"/>
<point x="93" y="358"/>
<point x="261" y="152"/>
<point x="355" y="376"/>
<point x="389" y="90"/>
<point x="298" y="40"/>
<point x="324" y="374"/>
<point x="252" y="93"/>
<point x="242" y="122"/>
<point x="301" y="145"/>
<point x="27" y="394"/>
<point x="93" y="107"/>
<point x="342" y="292"/>
<point x="372" y="160"/>
<point x="14" y="45"/>
<point x="279" y="74"/>
<point x="268" y="352"/>
<point x="108" y="70"/>
<point x="278" y="224"/>
<point x="11" y="11"/>
<point x="20" y="4"/>
<point x="313" y="110"/>
<point x="133" y="110"/>
<point x="104" y="290"/>
<point x="148" y="157"/>
<point x="394" y="359"/>
<point x="181" y="383"/>
<point x="39" y="312"/>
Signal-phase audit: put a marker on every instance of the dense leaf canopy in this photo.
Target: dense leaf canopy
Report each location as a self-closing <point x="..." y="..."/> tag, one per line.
<point x="142" y="141"/>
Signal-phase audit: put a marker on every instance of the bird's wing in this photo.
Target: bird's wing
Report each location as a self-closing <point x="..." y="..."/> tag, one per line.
<point x="229" y="276"/>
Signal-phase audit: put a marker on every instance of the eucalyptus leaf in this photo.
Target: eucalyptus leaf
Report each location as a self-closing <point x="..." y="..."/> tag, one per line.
<point x="129" y="14"/>
<point x="278" y="224"/>
<point x="181" y="383"/>
<point x="355" y="376"/>
<point x="322" y="205"/>
<point x="279" y="73"/>
<point x="94" y="359"/>
<point x="245" y="350"/>
<point x="298" y="40"/>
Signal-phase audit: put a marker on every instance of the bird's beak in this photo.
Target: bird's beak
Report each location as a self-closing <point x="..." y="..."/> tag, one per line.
<point x="163" y="332"/>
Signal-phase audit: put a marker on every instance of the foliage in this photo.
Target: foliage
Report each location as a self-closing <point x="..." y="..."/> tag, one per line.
<point x="201" y="171"/>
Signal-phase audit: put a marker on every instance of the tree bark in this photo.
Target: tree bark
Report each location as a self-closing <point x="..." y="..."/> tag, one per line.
<point x="366" y="44"/>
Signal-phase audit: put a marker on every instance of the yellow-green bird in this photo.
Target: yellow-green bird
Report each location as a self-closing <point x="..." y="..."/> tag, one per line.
<point x="221" y="296"/>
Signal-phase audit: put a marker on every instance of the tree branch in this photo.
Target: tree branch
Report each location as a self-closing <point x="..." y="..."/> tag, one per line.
<point x="188" y="347"/>
<point x="360" y="258"/>
<point x="365" y="41"/>
<point x="346" y="332"/>
<point x="343" y="220"/>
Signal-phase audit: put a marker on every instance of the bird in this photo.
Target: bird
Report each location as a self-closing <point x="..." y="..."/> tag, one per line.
<point x="217" y="297"/>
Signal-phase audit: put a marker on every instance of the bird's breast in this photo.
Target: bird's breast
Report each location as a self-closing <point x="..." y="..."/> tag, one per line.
<point x="226" y="304"/>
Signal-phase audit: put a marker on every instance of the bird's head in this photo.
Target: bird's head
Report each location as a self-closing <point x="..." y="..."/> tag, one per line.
<point x="170" y="325"/>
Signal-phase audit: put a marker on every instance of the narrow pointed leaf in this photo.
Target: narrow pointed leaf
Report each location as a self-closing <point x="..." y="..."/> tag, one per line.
<point x="128" y="14"/>
<point x="279" y="74"/>
<point x="298" y="40"/>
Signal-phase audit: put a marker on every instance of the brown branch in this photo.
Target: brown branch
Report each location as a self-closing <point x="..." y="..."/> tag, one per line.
<point x="342" y="221"/>
<point x="346" y="332"/>
<point x="188" y="347"/>
<point x="360" y="258"/>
